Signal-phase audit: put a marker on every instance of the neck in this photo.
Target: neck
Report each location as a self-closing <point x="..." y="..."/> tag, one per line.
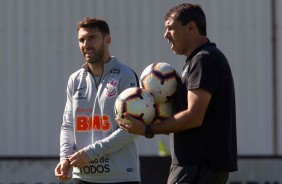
<point x="96" y="69"/>
<point x="198" y="43"/>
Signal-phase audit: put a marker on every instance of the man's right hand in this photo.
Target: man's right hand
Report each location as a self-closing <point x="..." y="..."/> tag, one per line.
<point x="62" y="170"/>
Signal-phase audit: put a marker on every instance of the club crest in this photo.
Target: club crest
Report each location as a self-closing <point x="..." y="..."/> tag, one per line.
<point x="111" y="89"/>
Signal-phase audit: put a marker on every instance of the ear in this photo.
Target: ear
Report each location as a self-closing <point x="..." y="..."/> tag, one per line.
<point x="191" y="26"/>
<point x="108" y="39"/>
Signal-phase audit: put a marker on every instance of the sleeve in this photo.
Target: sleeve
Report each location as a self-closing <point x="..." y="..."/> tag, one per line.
<point x="114" y="142"/>
<point x="130" y="79"/>
<point x="119" y="138"/>
<point x="204" y="73"/>
<point x="67" y="142"/>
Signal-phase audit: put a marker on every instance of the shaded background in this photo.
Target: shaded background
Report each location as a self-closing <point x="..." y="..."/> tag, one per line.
<point x="39" y="51"/>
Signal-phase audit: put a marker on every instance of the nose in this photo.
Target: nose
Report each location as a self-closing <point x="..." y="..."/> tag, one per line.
<point x="85" y="43"/>
<point x="166" y="34"/>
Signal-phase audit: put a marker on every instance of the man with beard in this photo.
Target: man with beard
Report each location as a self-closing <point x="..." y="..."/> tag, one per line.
<point x="91" y="143"/>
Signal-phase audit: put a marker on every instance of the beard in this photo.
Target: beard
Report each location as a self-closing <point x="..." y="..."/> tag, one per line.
<point x="97" y="57"/>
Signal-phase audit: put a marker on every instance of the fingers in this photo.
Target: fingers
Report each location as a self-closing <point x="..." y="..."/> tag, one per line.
<point x="129" y="117"/>
<point x="79" y="159"/>
<point x="76" y="161"/>
<point x="133" y="125"/>
<point x="122" y="125"/>
<point x="62" y="170"/>
<point x="63" y="178"/>
<point x="58" y="169"/>
<point x="128" y="120"/>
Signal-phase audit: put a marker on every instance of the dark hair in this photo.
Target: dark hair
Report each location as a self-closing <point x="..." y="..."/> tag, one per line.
<point x="188" y="12"/>
<point x="96" y="22"/>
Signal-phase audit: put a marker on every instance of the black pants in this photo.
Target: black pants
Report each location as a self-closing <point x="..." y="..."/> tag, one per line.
<point x="196" y="175"/>
<point x="85" y="182"/>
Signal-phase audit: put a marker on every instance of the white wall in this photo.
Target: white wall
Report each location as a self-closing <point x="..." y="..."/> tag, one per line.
<point x="39" y="51"/>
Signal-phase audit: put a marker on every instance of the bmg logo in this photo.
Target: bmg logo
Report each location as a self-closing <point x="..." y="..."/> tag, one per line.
<point x="96" y="122"/>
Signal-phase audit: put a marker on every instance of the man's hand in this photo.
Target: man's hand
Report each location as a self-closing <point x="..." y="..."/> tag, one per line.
<point x="79" y="159"/>
<point x="62" y="170"/>
<point x="135" y="126"/>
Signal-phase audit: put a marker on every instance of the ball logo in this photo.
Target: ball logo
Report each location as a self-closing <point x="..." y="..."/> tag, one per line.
<point x="111" y="89"/>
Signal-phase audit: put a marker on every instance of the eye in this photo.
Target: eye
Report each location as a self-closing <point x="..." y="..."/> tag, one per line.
<point x="81" y="40"/>
<point x="93" y="37"/>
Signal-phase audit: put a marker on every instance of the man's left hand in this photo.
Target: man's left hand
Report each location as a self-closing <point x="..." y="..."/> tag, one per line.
<point x="79" y="159"/>
<point x="135" y="126"/>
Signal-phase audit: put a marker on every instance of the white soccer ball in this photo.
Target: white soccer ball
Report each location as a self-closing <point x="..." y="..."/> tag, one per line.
<point x="163" y="111"/>
<point x="138" y="102"/>
<point x="160" y="79"/>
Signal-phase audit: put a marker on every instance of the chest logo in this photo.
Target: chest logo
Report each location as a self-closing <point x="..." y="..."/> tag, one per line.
<point x="95" y="122"/>
<point x="115" y="72"/>
<point x="111" y="89"/>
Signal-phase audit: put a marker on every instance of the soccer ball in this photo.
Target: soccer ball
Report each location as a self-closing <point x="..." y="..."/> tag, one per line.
<point x="138" y="102"/>
<point x="163" y="111"/>
<point x="160" y="79"/>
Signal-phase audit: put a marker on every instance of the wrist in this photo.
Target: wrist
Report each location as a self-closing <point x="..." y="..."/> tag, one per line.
<point x="65" y="162"/>
<point x="148" y="131"/>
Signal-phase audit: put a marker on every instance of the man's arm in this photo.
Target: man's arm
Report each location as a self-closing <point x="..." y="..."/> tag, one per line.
<point x="198" y="101"/>
<point x="67" y="132"/>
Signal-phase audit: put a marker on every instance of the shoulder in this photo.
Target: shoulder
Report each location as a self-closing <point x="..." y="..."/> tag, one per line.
<point x="80" y="72"/>
<point x="211" y="52"/>
<point x="209" y="56"/>
<point x="121" y="69"/>
<point x="78" y="75"/>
